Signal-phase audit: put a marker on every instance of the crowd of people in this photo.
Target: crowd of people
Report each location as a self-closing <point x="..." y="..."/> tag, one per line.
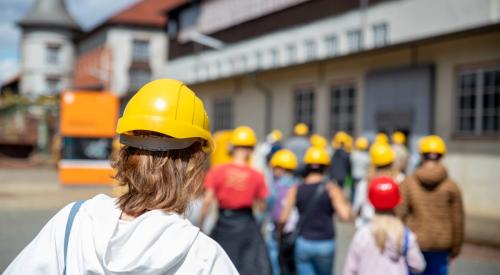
<point x="407" y="224"/>
<point x="274" y="218"/>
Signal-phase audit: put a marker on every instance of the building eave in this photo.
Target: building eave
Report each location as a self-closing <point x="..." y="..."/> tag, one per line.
<point x="475" y="31"/>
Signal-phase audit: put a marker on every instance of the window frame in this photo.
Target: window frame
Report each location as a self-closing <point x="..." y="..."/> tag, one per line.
<point x="477" y="133"/>
<point x="53" y="79"/>
<point x="310" y="50"/>
<point x="140" y="58"/>
<point x="351" y="83"/>
<point x="134" y="87"/>
<point x="296" y="117"/>
<point x="218" y="123"/>
<point x="385" y="40"/>
<point x="359" y="47"/>
<point x="291" y="52"/>
<point x="52" y="54"/>
<point x="331" y="45"/>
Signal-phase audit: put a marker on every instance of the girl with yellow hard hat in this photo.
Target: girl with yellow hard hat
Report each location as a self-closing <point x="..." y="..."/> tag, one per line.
<point x="166" y="136"/>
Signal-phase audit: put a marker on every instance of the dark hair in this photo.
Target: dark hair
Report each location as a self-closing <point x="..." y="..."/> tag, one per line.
<point x="315" y="168"/>
<point x="432" y="156"/>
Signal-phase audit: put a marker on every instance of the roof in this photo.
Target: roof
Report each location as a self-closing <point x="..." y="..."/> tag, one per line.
<point x="49" y="13"/>
<point x="145" y="13"/>
<point x="11" y="80"/>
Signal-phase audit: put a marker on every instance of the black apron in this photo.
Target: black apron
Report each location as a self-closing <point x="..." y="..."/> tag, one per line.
<point x="237" y="232"/>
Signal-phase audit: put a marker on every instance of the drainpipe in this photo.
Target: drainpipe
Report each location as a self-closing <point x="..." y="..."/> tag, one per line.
<point x="268" y="108"/>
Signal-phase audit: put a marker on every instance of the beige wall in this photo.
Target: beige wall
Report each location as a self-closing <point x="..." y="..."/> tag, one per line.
<point x="474" y="164"/>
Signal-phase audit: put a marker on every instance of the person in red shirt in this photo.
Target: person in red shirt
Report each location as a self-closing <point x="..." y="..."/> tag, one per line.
<point x="238" y="189"/>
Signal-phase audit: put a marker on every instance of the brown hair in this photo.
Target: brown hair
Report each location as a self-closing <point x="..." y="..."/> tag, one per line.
<point x="165" y="180"/>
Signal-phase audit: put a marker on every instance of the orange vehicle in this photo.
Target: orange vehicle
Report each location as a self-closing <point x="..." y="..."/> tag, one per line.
<point x="87" y="128"/>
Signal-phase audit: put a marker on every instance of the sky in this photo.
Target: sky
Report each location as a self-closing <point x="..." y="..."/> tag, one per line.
<point x="88" y="13"/>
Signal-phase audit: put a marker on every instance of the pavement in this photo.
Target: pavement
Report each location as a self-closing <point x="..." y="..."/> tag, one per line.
<point x="29" y="197"/>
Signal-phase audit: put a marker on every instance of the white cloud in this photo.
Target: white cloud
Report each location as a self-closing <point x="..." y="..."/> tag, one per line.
<point x="8" y="68"/>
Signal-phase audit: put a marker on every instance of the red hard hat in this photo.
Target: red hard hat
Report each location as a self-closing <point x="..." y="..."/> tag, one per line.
<point x="383" y="193"/>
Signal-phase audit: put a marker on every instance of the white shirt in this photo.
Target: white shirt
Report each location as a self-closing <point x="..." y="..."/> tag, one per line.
<point x="361" y="204"/>
<point x="100" y="243"/>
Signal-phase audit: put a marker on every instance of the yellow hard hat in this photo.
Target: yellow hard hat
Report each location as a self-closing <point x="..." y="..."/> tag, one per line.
<point x="301" y="129"/>
<point x="276" y="135"/>
<point x="398" y="137"/>
<point x="243" y="136"/>
<point x="284" y="158"/>
<point x="381" y="138"/>
<point x="362" y="143"/>
<point x="317" y="155"/>
<point x="432" y="144"/>
<point x="342" y="138"/>
<point x="381" y="154"/>
<point x="169" y="107"/>
<point x="318" y="141"/>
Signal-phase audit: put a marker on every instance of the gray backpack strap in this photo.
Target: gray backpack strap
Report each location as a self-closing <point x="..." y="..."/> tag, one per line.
<point x="69" y="224"/>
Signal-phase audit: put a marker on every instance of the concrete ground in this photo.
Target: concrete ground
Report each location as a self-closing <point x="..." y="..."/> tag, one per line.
<point x="30" y="196"/>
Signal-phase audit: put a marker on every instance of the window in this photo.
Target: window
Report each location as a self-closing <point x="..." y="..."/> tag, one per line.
<point x="292" y="53"/>
<point x="380" y="35"/>
<point x="354" y="40"/>
<point x="478" y="106"/>
<point x="140" y="50"/>
<point x="223" y="109"/>
<point x="244" y="63"/>
<point x="331" y="45"/>
<point x="53" y="85"/>
<point x="304" y="106"/>
<point x="274" y="57"/>
<point x="53" y="54"/>
<point x="139" y="77"/>
<point x="310" y="47"/>
<point x="86" y="148"/>
<point x="342" y="108"/>
<point x="258" y="60"/>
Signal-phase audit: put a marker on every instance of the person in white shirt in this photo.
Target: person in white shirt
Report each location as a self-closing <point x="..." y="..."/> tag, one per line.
<point x="360" y="161"/>
<point x="382" y="158"/>
<point x="165" y="131"/>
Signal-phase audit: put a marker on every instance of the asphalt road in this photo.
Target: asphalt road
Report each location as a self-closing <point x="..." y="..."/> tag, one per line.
<point x="29" y="197"/>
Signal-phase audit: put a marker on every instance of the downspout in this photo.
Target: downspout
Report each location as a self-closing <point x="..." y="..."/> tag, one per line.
<point x="268" y="107"/>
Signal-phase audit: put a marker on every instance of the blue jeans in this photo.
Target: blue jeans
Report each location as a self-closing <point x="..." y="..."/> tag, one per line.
<point x="314" y="257"/>
<point x="272" y="247"/>
<point x="437" y="263"/>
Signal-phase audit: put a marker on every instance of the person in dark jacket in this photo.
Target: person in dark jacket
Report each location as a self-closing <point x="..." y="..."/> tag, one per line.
<point x="432" y="207"/>
<point x="341" y="160"/>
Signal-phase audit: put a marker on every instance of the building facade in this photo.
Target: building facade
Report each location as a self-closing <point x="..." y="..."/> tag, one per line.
<point x="47" y="49"/>
<point x="418" y="66"/>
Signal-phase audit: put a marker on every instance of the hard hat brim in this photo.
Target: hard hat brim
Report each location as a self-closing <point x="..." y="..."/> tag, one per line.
<point x="175" y="129"/>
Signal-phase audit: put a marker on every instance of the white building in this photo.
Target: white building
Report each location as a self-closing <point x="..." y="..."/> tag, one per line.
<point x="125" y="51"/>
<point x="419" y="66"/>
<point x="47" y="48"/>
